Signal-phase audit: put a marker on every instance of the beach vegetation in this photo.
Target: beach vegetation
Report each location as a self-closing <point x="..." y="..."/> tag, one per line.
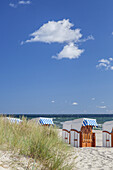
<point x="41" y="143"/>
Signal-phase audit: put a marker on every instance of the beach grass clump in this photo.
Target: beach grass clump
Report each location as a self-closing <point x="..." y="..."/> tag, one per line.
<point x="39" y="142"/>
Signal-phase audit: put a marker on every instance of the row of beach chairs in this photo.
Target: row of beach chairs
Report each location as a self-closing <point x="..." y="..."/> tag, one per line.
<point x="79" y="133"/>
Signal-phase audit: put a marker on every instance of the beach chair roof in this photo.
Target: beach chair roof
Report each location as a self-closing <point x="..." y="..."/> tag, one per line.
<point x="89" y="122"/>
<point x="14" y="120"/>
<point x="107" y="126"/>
<point x="78" y="123"/>
<point x="46" y="121"/>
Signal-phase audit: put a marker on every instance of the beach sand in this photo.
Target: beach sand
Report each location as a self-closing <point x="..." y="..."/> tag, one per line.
<point x="94" y="158"/>
<point x="13" y="161"/>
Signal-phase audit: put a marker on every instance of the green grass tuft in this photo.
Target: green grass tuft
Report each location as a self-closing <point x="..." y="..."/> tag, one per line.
<point x="39" y="142"/>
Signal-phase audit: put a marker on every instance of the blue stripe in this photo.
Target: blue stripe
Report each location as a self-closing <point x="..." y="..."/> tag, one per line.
<point x="90" y="122"/>
<point x="46" y="121"/>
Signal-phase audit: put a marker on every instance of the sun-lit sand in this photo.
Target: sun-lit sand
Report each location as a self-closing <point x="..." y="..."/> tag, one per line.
<point x="13" y="161"/>
<point x="95" y="158"/>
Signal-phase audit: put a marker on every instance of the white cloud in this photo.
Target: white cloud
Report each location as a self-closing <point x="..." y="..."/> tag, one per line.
<point x="74" y="103"/>
<point x="93" y="98"/>
<point x="59" y="32"/>
<point x="69" y="51"/>
<point x="111" y="59"/>
<point x="111" y="67"/>
<point x="21" y="2"/>
<point x="22" y="42"/>
<point x="105" y="63"/>
<point x="102" y="65"/>
<point x="102" y="107"/>
<point x="90" y="37"/>
<point x="52" y="101"/>
<point x="12" y="5"/>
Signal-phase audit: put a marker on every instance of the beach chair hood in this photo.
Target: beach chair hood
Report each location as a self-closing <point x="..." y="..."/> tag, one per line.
<point x="78" y="123"/>
<point x="107" y="126"/>
<point x="46" y="121"/>
<point x="89" y="122"/>
<point x="14" y="120"/>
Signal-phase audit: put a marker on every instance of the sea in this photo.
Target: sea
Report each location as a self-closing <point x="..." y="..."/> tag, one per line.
<point x="58" y="119"/>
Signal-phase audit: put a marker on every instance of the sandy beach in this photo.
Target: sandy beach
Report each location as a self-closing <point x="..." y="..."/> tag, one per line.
<point x="94" y="158"/>
<point x="97" y="158"/>
<point x="10" y="161"/>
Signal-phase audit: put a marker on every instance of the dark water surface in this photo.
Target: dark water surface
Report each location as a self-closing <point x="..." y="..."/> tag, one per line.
<point x="59" y="118"/>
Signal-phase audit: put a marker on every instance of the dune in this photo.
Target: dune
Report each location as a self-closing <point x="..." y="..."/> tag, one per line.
<point x="92" y="158"/>
<point x="10" y="160"/>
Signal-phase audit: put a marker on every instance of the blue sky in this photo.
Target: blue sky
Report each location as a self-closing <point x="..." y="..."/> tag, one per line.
<point x="56" y="56"/>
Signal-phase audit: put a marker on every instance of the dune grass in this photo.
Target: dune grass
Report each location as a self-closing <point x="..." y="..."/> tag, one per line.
<point x="39" y="142"/>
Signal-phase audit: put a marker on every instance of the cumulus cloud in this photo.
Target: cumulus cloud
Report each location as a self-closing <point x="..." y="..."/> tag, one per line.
<point x="60" y="32"/>
<point x="74" y="103"/>
<point x="105" y="63"/>
<point x="69" y="51"/>
<point x="52" y="101"/>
